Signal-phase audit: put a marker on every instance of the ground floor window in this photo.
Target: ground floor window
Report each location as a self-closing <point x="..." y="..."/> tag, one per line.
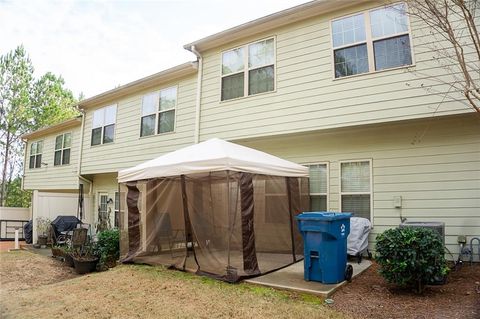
<point x="318" y="187"/>
<point x="117" y="210"/>
<point x="356" y="188"/>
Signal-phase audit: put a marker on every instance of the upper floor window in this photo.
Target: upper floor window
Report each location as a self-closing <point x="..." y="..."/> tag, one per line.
<point x="36" y="154"/>
<point x="158" y="112"/>
<point x="318" y="187"/>
<point x="248" y="70"/>
<point x="371" y="41"/>
<point x="103" y="127"/>
<point x="62" y="149"/>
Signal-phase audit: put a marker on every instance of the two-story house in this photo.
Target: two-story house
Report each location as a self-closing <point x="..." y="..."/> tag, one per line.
<point x="337" y="86"/>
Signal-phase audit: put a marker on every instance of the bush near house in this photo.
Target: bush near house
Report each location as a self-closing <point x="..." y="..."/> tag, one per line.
<point x="411" y="257"/>
<point x="108" y="247"/>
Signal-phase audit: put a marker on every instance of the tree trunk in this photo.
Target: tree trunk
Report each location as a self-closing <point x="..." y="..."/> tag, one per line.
<point x="4" y="172"/>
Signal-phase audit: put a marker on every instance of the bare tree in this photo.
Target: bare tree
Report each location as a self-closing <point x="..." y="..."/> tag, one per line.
<point x="454" y="42"/>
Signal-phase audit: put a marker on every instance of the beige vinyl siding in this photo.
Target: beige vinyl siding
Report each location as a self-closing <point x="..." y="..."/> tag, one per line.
<point x="438" y="177"/>
<point x="307" y="96"/>
<point x="50" y="177"/>
<point x="128" y="148"/>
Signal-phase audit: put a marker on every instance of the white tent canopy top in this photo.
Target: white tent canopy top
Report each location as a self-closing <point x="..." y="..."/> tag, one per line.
<point x="213" y="155"/>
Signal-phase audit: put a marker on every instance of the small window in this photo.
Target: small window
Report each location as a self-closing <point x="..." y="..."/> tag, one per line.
<point x="158" y="112"/>
<point x="62" y="149"/>
<point x="318" y="187"/>
<point x="117" y="210"/>
<point x="103" y="125"/>
<point x="248" y="70"/>
<point x="386" y="38"/>
<point x="355" y="188"/>
<point x="36" y="149"/>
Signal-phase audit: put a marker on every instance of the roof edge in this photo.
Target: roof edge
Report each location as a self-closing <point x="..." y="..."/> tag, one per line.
<point x="269" y="22"/>
<point x="53" y="128"/>
<point x="172" y="73"/>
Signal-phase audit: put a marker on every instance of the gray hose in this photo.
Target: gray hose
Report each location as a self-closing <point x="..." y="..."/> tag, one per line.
<point x="471" y="248"/>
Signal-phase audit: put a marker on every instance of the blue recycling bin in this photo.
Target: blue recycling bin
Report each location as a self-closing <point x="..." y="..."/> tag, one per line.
<point x="325" y="246"/>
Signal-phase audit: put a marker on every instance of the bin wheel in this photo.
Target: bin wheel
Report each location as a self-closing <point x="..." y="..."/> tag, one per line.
<point x="349" y="273"/>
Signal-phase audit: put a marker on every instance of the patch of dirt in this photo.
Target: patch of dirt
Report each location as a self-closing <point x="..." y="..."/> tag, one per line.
<point x="24" y="270"/>
<point x="369" y="296"/>
<point x="135" y="291"/>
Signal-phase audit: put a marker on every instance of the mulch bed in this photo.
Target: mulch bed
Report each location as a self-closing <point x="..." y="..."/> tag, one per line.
<point x="369" y="296"/>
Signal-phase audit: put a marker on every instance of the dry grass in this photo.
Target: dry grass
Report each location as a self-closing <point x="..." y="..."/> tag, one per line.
<point x="130" y="291"/>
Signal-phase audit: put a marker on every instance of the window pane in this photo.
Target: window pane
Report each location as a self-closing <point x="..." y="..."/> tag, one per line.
<point x="57" y="158"/>
<point x="260" y="80"/>
<point x="318" y="178"/>
<point x="168" y="98"/>
<point x="66" y="156"/>
<point x="39" y="147"/>
<point x="232" y="86"/>
<point x="261" y="53"/>
<point x="357" y="204"/>
<point x="149" y="103"/>
<point x="58" y="142"/>
<point x="98" y="118"/>
<point x="110" y="114"/>
<point x="67" y="140"/>
<point x="33" y="148"/>
<point x="96" y="136"/>
<point x="117" y="201"/>
<point x="350" y="61"/>
<point x="32" y="162"/>
<point x="355" y="177"/>
<point x="232" y="61"/>
<point x="388" y="21"/>
<point x="348" y="30"/>
<point x="148" y="125"/>
<point x="166" y="121"/>
<point x="108" y="133"/>
<point x="38" y="161"/>
<point x="318" y="203"/>
<point x="392" y="52"/>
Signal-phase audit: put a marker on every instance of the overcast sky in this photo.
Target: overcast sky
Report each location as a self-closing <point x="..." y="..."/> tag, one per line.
<point x="97" y="45"/>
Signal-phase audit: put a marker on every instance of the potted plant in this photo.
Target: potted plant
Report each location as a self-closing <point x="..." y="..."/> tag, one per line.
<point x="57" y="251"/>
<point x="67" y="255"/>
<point x="43" y="225"/>
<point x="84" y="260"/>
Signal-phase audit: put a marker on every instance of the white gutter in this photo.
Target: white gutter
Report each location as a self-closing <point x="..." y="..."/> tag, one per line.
<point x="80" y="152"/>
<point x="199" y="94"/>
<point x="22" y="187"/>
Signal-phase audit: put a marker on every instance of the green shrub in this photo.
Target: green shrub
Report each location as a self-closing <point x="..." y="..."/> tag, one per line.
<point x="411" y="257"/>
<point x="108" y="246"/>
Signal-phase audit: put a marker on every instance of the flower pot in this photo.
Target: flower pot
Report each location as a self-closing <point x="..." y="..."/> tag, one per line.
<point x="68" y="260"/>
<point x="84" y="265"/>
<point x="42" y="240"/>
<point x="57" y="252"/>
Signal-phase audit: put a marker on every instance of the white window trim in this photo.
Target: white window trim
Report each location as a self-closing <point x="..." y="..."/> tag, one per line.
<point x="246" y="69"/>
<point x="369" y="42"/>
<point x="369" y="160"/>
<point x="157" y="112"/>
<point x="327" y="194"/>
<point x="62" y="149"/>
<point x="103" y="126"/>
<point x="36" y="154"/>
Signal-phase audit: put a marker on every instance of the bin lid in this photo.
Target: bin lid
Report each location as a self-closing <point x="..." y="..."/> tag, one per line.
<point x="323" y="216"/>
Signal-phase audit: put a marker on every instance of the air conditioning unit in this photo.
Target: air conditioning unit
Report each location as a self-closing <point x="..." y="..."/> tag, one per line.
<point x="437" y="226"/>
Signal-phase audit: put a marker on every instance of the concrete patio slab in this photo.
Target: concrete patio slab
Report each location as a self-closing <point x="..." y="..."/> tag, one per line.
<point x="291" y="278"/>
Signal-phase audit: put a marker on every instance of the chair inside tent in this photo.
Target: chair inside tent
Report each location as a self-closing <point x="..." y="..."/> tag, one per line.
<point x="214" y="208"/>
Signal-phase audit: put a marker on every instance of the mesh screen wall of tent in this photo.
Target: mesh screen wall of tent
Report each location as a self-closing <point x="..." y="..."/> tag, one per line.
<point x="227" y="225"/>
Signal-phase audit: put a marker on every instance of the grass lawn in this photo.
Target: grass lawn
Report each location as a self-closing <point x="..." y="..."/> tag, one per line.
<point x="33" y="286"/>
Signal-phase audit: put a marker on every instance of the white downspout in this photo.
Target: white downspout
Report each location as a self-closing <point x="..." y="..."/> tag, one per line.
<point x="199" y="94"/>
<point x="80" y="152"/>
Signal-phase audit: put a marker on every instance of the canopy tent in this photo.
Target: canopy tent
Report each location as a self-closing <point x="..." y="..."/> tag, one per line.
<point x="215" y="208"/>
